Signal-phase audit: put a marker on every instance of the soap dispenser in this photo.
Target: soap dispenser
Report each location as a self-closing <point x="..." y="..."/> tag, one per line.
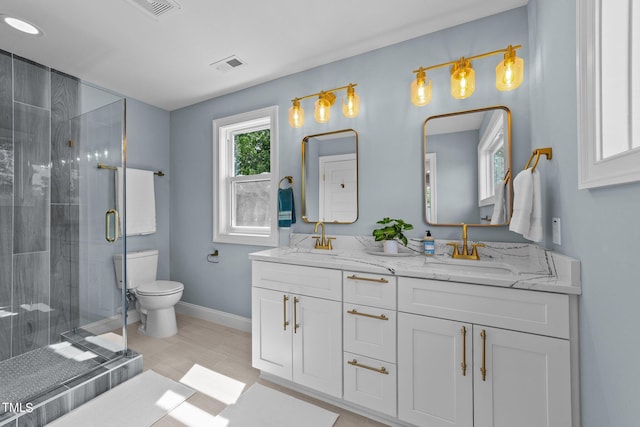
<point x="429" y="244"/>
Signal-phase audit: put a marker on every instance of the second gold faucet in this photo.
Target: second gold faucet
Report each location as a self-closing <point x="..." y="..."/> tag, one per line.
<point x="465" y="254"/>
<point x="322" y="242"/>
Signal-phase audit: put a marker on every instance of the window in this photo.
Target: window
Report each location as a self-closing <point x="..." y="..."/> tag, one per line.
<point x="608" y="92"/>
<point x="491" y="159"/>
<point x="245" y="171"/>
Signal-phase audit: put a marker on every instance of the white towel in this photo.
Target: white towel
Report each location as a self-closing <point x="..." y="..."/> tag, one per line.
<point x="527" y="208"/>
<point x="141" y="201"/>
<point x="497" y="217"/>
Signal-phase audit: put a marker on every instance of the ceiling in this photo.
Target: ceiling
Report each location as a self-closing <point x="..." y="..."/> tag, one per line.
<point x="166" y="60"/>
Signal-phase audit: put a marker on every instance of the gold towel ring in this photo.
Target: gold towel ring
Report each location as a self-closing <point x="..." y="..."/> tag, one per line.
<point x="289" y="179"/>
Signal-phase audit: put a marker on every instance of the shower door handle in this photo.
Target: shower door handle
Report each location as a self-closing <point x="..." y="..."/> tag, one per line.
<point x="111" y="236"/>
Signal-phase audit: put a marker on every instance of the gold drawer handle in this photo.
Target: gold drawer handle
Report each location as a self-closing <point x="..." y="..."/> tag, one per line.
<point x="366" y="279"/>
<point x="382" y="370"/>
<point x="373" y="316"/>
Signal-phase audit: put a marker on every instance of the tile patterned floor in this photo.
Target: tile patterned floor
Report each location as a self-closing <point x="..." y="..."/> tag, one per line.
<point x="221" y="349"/>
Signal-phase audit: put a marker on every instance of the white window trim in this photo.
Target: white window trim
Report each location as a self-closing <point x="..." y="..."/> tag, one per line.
<point x="222" y="180"/>
<point x="593" y="172"/>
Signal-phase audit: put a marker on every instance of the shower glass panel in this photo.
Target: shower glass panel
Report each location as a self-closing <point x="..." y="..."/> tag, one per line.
<point x="60" y="309"/>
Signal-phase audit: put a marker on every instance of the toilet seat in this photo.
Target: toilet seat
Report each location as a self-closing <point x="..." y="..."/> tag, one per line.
<point x="159" y="287"/>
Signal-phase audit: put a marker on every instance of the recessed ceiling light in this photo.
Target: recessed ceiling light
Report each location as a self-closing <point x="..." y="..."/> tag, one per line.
<point x="22" y="25"/>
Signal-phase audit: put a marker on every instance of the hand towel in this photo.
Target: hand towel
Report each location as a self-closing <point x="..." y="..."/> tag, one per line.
<point x="535" y="233"/>
<point x="286" y="207"/>
<point x="522" y="202"/>
<point x="497" y="217"/>
<point x="141" y="201"/>
<point x="527" y="206"/>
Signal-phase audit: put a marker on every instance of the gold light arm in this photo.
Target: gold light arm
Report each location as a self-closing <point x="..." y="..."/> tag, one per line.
<point x="468" y="58"/>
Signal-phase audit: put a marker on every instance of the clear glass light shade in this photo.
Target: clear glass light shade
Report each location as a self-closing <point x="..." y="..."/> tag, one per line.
<point x="421" y="91"/>
<point x="463" y="80"/>
<point x="322" y="113"/>
<point x="509" y="73"/>
<point x="296" y="115"/>
<point x="351" y="105"/>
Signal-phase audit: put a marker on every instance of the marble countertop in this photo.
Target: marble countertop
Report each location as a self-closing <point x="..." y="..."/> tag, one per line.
<point x="512" y="265"/>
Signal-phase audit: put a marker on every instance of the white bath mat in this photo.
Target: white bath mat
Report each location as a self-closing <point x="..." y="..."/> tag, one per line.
<point x="139" y="402"/>
<point x="262" y="406"/>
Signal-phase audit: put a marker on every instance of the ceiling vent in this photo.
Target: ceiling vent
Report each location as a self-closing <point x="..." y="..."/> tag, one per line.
<point x="228" y="64"/>
<point x="156" y="8"/>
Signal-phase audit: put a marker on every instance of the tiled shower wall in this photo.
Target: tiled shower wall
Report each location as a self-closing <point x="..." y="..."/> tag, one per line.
<point x="39" y="205"/>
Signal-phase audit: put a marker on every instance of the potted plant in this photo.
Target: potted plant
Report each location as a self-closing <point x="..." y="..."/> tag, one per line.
<point x="390" y="233"/>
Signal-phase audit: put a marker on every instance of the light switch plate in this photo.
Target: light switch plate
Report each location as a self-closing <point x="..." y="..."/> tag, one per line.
<point x="555" y="227"/>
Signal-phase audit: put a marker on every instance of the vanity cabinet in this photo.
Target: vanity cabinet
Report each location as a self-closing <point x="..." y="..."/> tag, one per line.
<point x="369" y="319"/>
<point x="297" y="324"/>
<point x="457" y="366"/>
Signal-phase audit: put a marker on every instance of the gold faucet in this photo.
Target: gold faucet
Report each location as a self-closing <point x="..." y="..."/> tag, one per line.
<point x="322" y="242"/>
<point x="465" y="254"/>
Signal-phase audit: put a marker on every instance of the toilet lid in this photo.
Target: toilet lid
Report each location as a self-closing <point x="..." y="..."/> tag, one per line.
<point x="160" y="287"/>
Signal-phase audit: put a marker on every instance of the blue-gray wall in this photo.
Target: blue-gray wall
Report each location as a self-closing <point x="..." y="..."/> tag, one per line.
<point x="390" y="164"/>
<point x="597" y="225"/>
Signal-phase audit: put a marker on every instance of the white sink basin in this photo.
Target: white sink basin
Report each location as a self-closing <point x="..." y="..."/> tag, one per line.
<point x="471" y="267"/>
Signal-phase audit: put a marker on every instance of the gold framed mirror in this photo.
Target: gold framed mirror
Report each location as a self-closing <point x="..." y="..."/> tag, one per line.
<point x="467" y="167"/>
<point x="330" y="177"/>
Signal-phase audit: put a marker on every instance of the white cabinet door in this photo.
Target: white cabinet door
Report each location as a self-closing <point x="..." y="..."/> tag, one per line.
<point x="527" y="381"/>
<point x="271" y="337"/>
<point x="433" y="389"/>
<point x="317" y="344"/>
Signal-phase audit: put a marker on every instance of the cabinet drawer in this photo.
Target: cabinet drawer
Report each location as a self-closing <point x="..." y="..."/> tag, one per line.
<point x="311" y="281"/>
<point x="377" y="290"/>
<point x="370" y="331"/>
<point x="370" y="383"/>
<point x="528" y="311"/>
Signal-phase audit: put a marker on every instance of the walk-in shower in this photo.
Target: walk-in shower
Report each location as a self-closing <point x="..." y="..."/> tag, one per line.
<point x="58" y="297"/>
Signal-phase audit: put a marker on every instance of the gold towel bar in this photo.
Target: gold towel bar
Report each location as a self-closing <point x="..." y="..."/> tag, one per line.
<point x="113" y="168"/>
<point x="537" y="153"/>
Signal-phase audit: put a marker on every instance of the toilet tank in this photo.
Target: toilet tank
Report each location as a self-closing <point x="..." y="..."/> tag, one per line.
<point x="142" y="267"/>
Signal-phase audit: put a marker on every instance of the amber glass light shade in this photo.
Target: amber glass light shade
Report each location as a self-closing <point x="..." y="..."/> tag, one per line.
<point x="351" y="103"/>
<point x="463" y="80"/>
<point x="296" y="115"/>
<point x="510" y="71"/>
<point x="421" y="89"/>
<point x="322" y="112"/>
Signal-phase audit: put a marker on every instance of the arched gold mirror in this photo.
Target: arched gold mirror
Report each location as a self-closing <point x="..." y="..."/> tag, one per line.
<point x="330" y="177"/>
<point x="467" y="167"/>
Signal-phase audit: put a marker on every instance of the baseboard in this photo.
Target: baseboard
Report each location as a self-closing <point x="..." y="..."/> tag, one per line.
<point x="215" y="316"/>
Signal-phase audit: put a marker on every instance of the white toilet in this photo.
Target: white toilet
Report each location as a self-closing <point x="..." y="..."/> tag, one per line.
<point x="156" y="298"/>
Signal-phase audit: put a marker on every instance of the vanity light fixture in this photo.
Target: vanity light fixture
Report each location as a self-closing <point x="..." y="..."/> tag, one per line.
<point x="322" y="112"/>
<point x="509" y="75"/>
<point x="21" y="25"/>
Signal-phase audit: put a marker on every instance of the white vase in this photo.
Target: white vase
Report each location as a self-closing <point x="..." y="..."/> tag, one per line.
<point x="390" y="246"/>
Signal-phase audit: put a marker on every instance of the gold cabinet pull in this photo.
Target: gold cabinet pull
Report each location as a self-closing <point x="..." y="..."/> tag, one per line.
<point x="295" y="315"/>
<point x="373" y="316"/>
<point x="284" y="305"/>
<point x="483" y="368"/>
<point x="382" y="370"/>
<point x="367" y="279"/>
<point x="463" y="365"/>
<point x="111" y="237"/>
